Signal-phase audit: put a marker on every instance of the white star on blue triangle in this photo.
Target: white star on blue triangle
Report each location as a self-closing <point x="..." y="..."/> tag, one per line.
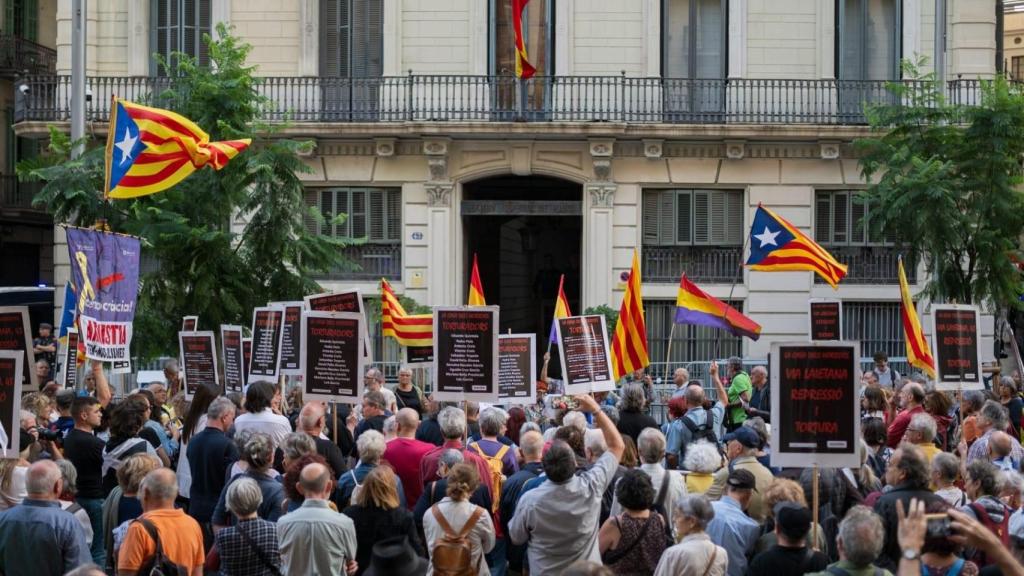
<point x="766" y="235"/>
<point x="128" y="145"/>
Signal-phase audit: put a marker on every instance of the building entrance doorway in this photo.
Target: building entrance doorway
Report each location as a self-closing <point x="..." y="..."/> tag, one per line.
<point x="526" y="232"/>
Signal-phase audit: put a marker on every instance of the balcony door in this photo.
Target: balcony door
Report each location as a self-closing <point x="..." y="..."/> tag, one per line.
<point x="351" y="58"/>
<point x="869" y="38"/>
<point x="178" y="26"/>
<point x="21" y="19"/>
<point x="694" y="59"/>
<point x="538" y="35"/>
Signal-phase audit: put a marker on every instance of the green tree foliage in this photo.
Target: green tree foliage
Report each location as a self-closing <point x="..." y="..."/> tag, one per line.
<point x="611" y="316"/>
<point x="220" y="242"/>
<point x="948" y="185"/>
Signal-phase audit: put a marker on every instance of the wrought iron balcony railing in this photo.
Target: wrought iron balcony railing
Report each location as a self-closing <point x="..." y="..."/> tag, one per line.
<point x="701" y="263"/>
<point x="504" y="98"/>
<point x="372" y="262"/>
<point x="15" y="195"/>
<point x="19" y="56"/>
<point x="871" y="264"/>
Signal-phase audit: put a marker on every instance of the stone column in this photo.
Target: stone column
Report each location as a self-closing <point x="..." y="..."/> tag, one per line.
<point x="441" y="283"/>
<point x="972" y="45"/>
<point x="597" y="245"/>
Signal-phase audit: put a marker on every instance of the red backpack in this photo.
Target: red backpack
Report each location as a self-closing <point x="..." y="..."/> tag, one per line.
<point x="1000" y="529"/>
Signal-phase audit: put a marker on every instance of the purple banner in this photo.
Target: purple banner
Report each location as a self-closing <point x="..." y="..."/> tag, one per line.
<point x="105" y="272"/>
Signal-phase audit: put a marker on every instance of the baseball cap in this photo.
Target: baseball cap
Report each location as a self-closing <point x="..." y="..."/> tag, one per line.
<point x="741" y="479"/>
<point x="745" y="436"/>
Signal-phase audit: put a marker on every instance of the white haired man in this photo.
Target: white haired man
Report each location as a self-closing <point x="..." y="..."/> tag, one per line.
<point x="179" y="536"/>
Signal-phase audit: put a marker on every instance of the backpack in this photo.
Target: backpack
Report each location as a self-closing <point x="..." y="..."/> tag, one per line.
<point x="497" y="467"/>
<point x="158" y="565"/>
<point x="1001" y="530"/>
<point x="452" y="554"/>
<point x="705" y="431"/>
<point x="659" y="507"/>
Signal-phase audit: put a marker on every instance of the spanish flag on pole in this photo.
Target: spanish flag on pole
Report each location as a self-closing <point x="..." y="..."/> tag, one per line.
<point x="476" y="288"/>
<point x="524" y="69"/>
<point x="415" y="330"/>
<point x="149" y="150"/>
<point x="629" y="345"/>
<point x="919" y="355"/>
<point x="561" y="310"/>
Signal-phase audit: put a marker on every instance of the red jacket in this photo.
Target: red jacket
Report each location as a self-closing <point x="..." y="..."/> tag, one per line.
<point x="899" y="426"/>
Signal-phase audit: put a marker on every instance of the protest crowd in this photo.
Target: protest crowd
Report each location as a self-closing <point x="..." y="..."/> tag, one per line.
<point x="263" y="483"/>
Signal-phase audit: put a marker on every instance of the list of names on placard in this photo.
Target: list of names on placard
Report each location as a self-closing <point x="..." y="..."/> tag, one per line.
<point x="584" y="350"/>
<point x="332" y="355"/>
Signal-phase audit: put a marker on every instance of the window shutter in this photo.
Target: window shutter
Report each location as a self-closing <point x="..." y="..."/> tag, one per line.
<point x="311" y="197"/>
<point x="667" y="217"/>
<point x="205" y="26"/>
<point x="393" y="217"/>
<point x="189" y="23"/>
<point x="31" y="31"/>
<point x="683" y="217"/>
<point x="651" y="216"/>
<point x="840" y="218"/>
<point x="367" y="38"/>
<point x="719" y="219"/>
<point x="334" y="38"/>
<point x="734" y="217"/>
<point x="858" y="221"/>
<point x="358" y="213"/>
<point x="328" y="211"/>
<point x="375" y="215"/>
<point x="701" y="216"/>
<point x="823" y="218"/>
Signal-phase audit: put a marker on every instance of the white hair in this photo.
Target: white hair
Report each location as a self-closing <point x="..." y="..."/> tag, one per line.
<point x="593" y="440"/>
<point x="702" y="456"/>
<point x="650" y="445"/>
<point x="371" y="446"/>
<point x="575" y="418"/>
<point x="452" y="421"/>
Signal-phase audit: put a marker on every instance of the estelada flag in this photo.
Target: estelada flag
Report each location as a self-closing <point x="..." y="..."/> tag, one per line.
<point x="524" y="69"/>
<point x="561" y="310"/>
<point x="629" y="344"/>
<point x="414" y="330"/>
<point x="149" y="150"/>
<point x="776" y="245"/>
<point x="694" y="306"/>
<point x="919" y="355"/>
<point x="476" y="288"/>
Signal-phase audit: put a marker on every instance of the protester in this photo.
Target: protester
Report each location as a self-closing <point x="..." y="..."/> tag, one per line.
<point x="373" y="381"/>
<point x="374" y="413"/>
<point x="69" y="477"/>
<point x="702" y="460"/>
<point x="791" y="556"/>
<point x="163" y="527"/>
<point x="453" y="428"/>
<point x="258" y="454"/>
<point x="259" y="413"/>
<point x="429" y="430"/>
<point x="875" y="434"/>
<point x="731" y="528"/>
<point x="315" y="539"/>
<point x="404" y="454"/>
<point x="250" y="547"/>
<point x="938" y="405"/>
<point x="741" y="450"/>
<point x="696" y="424"/>
<point x="632" y="416"/>
<point x="738" y="392"/>
<point x="695" y="554"/>
<point x="981" y="485"/>
<point x="312" y="420"/>
<point x="454" y="517"/>
<point x="409" y="395"/>
<point x="395" y="556"/>
<point x="376" y="514"/>
<point x="193" y="423"/>
<point x="668" y="486"/>
<point x="156" y="423"/>
<point x="874" y="404"/>
<point x="680" y="377"/>
<point x="210" y="456"/>
<point x="784" y="490"/>
<point x="126" y="429"/>
<point x="760" y="405"/>
<point x="1000" y="449"/>
<point x="435" y="491"/>
<point x="945" y="470"/>
<point x="37" y="536"/>
<point x="558" y="520"/>
<point x="921" y="433"/>
<point x="911" y="398"/>
<point x="1009" y="397"/>
<point x="887" y="377"/>
<point x="991" y="418"/>
<point x="860" y="541"/>
<point x="371" y="447"/>
<point x="908" y="478"/>
<point x="85" y="451"/>
<point x="970" y="406"/>
<point x="123" y="504"/>
<point x="633" y="541"/>
<point x="531" y="446"/>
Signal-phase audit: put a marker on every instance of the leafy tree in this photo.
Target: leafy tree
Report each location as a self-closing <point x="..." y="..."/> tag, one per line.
<point x="220" y="242"/>
<point x="611" y="316"/>
<point x="948" y="186"/>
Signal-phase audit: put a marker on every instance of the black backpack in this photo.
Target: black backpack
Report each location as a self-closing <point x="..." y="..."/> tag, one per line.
<point x="158" y="565"/>
<point x="705" y="431"/>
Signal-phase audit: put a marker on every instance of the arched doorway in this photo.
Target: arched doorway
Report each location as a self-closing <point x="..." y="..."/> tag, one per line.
<point x="526" y="232"/>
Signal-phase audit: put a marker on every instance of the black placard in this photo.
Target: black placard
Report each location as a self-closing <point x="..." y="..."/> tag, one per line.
<point x="189" y="323"/>
<point x="11" y="369"/>
<point x="246" y="358"/>
<point x="419" y="355"/>
<point x="331" y="356"/>
<point x="199" y="354"/>
<point x="69" y="370"/>
<point x="517" y="357"/>
<point x="344" y="301"/>
<point x="957" y="354"/>
<point x="466" y="353"/>
<point x="291" y="340"/>
<point x="826" y="317"/>
<point x="15" y="334"/>
<point x="583" y="347"/>
<point x="234" y="367"/>
<point x="815" y="404"/>
<point x="267" y="330"/>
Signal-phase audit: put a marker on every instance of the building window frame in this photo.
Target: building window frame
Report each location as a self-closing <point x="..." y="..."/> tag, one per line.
<point x="492" y="37"/>
<point x="691" y="41"/>
<point x="381" y="253"/>
<point x="160" y="25"/>
<point x="842" y="72"/>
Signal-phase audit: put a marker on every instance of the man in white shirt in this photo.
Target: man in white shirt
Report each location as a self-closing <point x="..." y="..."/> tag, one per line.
<point x="667" y="489"/>
<point x="374" y="380"/>
<point x="260" y="416"/>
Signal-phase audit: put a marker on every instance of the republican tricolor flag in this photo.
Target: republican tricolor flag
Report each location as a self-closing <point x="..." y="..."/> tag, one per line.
<point x="561" y="310"/>
<point x="695" y="306"/>
<point x="919" y="355"/>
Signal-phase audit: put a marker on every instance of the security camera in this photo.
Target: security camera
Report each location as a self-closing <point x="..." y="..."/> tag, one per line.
<point x="24" y="89"/>
<point x="88" y="94"/>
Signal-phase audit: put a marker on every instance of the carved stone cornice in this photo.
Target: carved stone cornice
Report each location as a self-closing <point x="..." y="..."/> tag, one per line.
<point x="602" y="195"/>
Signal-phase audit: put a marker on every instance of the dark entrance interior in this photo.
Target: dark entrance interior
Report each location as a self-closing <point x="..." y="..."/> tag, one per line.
<point x="526" y="232"/>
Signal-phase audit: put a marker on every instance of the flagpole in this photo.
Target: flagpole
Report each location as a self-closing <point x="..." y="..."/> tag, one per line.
<point x="735" y="280"/>
<point x="668" y="352"/>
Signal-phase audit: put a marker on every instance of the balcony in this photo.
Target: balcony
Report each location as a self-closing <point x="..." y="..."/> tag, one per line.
<point x="551" y="99"/>
<point x="16" y="199"/>
<point x="371" y="262"/>
<point x="19" y="56"/>
<point x="871" y="265"/>
<point x="716" y="264"/>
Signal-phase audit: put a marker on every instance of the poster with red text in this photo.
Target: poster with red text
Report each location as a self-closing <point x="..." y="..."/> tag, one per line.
<point x="826" y="318"/>
<point x="955" y="333"/>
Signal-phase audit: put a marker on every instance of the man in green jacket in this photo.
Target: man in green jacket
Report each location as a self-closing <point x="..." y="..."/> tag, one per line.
<point x="740" y="389"/>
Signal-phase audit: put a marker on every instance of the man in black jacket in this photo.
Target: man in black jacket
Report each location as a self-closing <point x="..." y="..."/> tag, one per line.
<point x="760" y="404"/>
<point x="908" y="474"/>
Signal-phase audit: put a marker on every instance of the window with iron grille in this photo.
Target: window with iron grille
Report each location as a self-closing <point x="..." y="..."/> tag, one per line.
<point x="1017" y="68"/>
<point x="841" y="219"/>
<point x="351" y="38"/>
<point x="371" y="213"/>
<point x="689" y="343"/>
<point x="876" y="325"/>
<point x="178" y="26"/>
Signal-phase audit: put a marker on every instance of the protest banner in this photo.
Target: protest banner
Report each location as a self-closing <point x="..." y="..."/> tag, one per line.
<point x="246" y="359"/>
<point x="815" y="404"/>
<point x="189" y="323"/>
<point x="11" y="369"/>
<point x="344" y="301"/>
<point x="292" y="337"/>
<point x="826" y="319"/>
<point x="231" y="347"/>
<point x="955" y="332"/>
<point x="69" y="367"/>
<point x="105" y="272"/>
<point x="517" y="368"/>
<point x="15" y="334"/>
<point x="418" y="356"/>
<point x="199" y="353"/>
<point x="583" y="350"/>
<point x="332" y="356"/>
<point x="267" y="334"/>
<point x="466" y="353"/>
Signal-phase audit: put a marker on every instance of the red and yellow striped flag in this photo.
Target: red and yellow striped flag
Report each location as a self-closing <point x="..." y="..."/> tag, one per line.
<point x="149" y="150"/>
<point x="476" y="288"/>
<point x="524" y="69"/>
<point x="919" y="355"/>
<point x="415" y="330"/>
<point x="629" y="345"/>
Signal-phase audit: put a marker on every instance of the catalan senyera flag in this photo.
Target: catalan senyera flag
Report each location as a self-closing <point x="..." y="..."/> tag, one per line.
<point x="524" y="69"/>
<point x="629" y="344"/>
<point x="149" y="150"/>
<point x="476" y="288"/>
<point x="408" y="330"/>
<point x="776" y="245"/>
<point x="561" y="310"/>
<point x="919" y="354"/>
<point x="694" y="306"/>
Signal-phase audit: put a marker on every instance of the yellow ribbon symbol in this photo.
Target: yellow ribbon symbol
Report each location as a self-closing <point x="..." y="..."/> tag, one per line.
<point x="87" y="290"/>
